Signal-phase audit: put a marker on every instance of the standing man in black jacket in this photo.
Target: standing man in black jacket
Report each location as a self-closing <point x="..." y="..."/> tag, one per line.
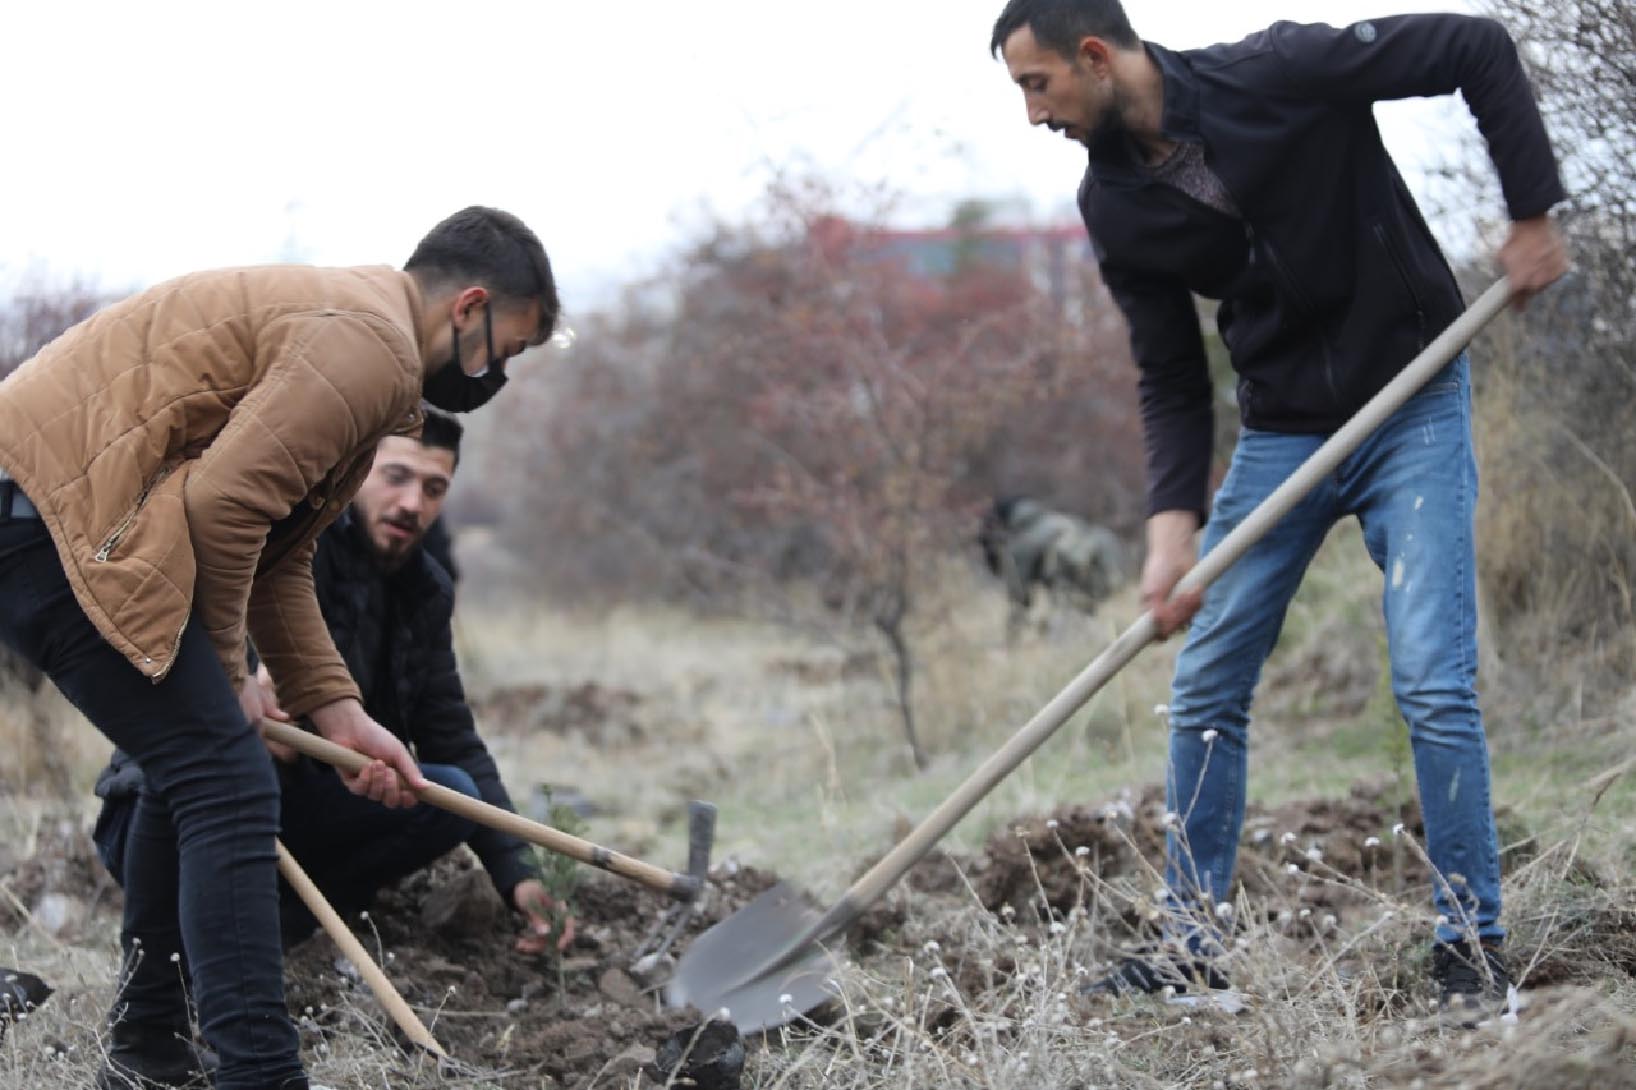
<point x="388" y="605"/>
<point x="1254" y="174"/>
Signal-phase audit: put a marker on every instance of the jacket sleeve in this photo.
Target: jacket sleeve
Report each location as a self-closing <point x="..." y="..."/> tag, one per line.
<point x="334" y="383"/>
<point x="1178" y="423"/>
<point x="292" y="639"/>
<point x="444" y="732"/>
<point x="1408" y="56"/>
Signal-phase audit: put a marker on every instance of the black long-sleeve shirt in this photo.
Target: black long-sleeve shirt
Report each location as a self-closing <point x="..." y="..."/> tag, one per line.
<point x="1330" y="281"/>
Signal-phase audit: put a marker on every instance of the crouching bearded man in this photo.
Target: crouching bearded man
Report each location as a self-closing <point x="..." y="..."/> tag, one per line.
<point x="388" y="604"/>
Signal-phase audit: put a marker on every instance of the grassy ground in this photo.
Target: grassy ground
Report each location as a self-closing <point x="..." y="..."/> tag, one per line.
<point x="795" y="739"/>
<point x="799" y="746"/>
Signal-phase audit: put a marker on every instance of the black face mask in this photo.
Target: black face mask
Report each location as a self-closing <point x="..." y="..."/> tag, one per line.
<point x="452" y="390"/>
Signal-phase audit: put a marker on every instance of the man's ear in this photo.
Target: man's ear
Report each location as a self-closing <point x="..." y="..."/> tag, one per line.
<point x="469" y="299"/>
<point x="1096" y="54"/>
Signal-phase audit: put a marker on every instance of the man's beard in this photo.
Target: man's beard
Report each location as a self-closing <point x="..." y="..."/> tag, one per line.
<point x="1110" y="123"/>
<point x="392" y="555"/>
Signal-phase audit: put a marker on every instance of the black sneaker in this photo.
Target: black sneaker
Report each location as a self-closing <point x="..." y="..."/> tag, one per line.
<point x="1467" y="983"/>
<point x="1151" y="974"/>
<point x="145" y="1058"/>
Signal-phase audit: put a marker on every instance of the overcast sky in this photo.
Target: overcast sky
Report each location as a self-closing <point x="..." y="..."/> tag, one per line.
<point x="151" y="138"/>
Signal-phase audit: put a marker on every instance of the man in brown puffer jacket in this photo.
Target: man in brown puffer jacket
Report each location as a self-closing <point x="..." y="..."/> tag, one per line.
<point x="165" y="469"/>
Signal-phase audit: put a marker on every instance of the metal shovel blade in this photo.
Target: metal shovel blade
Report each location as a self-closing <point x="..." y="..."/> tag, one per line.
<point x="726" y="968"/>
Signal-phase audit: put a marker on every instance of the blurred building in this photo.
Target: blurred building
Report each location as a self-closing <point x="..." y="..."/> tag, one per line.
<point x="1056" y="258"/>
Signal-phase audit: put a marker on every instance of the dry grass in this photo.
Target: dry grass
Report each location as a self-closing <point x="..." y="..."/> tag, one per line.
<point x="965" y="997"/>
<point x="794" y="737"/>
<point x="1556" y="532"/>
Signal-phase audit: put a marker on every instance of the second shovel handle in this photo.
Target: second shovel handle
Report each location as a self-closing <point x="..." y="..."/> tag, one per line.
<point x="683" y="887"/>
<point x="345" y="941"/>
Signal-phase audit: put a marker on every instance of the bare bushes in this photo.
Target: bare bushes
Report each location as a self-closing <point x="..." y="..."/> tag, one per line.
<point x="1557" y="386"/>
<point x="803" y="397"/>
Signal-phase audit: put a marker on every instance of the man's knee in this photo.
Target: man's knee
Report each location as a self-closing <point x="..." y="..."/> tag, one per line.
<point x="1440" y="715"/>
<point x="209" y="759"/>
<point x="1212" y="687"/>
<point x="455" y="779"/>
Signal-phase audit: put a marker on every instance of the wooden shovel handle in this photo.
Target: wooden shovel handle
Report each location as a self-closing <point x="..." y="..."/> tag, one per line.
<point x="354" y="952"/>
<point x="683" y="887"/>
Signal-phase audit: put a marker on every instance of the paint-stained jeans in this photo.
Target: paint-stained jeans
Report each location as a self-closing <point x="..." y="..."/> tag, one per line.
<point x="1413" y="487"/>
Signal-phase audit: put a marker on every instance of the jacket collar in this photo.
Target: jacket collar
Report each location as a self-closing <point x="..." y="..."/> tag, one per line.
<point x="346" y="536"/>
<point x="1111" y="154"/>
<point x="417" y="312"/>
<point x="1180" y="120"/>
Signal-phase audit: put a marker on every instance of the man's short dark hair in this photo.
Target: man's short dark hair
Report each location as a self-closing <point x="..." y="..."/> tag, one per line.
<point x="443" y="432"/>
<point x="1060" y="25"/>
<point x="495" y="249"/>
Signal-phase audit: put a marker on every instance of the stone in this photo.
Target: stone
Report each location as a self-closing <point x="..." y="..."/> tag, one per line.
<point x="617" y="985"/>
<point x="467" y="905"/>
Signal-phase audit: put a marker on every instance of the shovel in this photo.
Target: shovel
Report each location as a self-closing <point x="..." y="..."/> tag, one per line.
<point x="764" y="965"/>
<point x="683" y="887"/>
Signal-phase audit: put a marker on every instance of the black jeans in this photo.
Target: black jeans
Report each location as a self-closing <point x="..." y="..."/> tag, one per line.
<point x="348" y="845"/>
<point x="351" y="846"/>
<point x="200" y="891"/>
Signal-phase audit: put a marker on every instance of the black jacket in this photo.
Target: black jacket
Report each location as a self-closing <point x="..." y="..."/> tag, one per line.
<point x="395" y="633"/>
<point x="1331" y="282"/>
<point x="419" y="697"/>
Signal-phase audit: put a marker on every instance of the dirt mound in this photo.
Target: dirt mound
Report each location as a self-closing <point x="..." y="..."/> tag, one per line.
<point x="1315" y="854"/>
<point x="877" y="928"/>
<point x="1053" y="862"/>
<point x="603" y="715"/>
<point x="445" y="940"/>
<point x="1349" y="839"/>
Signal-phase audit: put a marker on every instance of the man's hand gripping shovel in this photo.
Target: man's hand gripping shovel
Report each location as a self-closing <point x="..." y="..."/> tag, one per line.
<point x="766" y="964"/>
<point x="682" y="887"/>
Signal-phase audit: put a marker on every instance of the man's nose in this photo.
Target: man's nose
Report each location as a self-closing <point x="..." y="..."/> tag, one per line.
<point x="1037" y="114"/>
<point x="411" y="500"/>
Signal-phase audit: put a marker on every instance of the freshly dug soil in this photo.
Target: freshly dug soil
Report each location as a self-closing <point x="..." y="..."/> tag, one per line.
<point x="1327" y="854"/>
<point x="584" y="1018"/>
<point x="445" y="940"/>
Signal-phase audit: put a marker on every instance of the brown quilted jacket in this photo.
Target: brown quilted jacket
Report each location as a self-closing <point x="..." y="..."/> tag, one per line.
<point x="186" y="446"/>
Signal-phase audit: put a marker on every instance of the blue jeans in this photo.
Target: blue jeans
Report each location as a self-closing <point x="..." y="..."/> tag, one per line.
<point x="200" y="864"/>
<point x="1413" y="487"/>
